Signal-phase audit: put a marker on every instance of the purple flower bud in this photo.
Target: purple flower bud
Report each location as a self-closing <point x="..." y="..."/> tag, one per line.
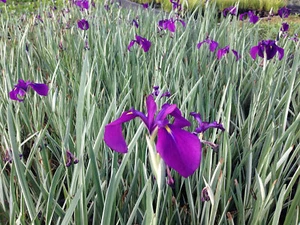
<point x="204" y="195"/>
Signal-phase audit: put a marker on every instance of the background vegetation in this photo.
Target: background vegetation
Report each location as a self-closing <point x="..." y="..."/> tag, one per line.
<point x="253" y="177"/>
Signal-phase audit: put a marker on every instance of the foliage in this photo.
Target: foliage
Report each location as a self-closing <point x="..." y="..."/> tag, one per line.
<point x="252" y="178"/>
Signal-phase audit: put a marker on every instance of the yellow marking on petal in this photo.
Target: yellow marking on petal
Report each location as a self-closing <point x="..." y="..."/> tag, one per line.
<point x="129" y="113"/>
<point x="168" y="129"/>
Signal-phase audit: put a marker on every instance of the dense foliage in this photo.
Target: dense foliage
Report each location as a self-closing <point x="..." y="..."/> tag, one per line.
<point x="56" y="168"/>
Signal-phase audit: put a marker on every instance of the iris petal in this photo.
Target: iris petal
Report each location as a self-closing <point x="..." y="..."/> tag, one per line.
<point x="180" y="149"/>
<point x="17" y="94"/>
<point x="151" y="109"/>
<point x="41" y="89"/>
<point x="280" y="53"/>
<point x="213" y="45"/>
<point x="253" y="51"/>
<point x="203" y="126"/>
<point x="113" y="135"/>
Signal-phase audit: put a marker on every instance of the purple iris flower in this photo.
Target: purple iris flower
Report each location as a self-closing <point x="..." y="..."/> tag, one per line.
<point x="4" y="1"/>
<point x="83" y="24"/>
<point x="284" y="12"/>
<point x="156" y="92"/>
<point x="267" y="47"/>
<point x="230" y="10"/>
<point x="143" y="42"/>
<point x="83" y="4"/>
<point x="212" y="44"/>
<point x="203" y="126"/>
<point x="295" y="38"/>
<point x="180" y="149"/>
<point x="145" y="5"/>
<point x="252" y="17"/>
<point x="176" y="4"/>
<point x="71" y="159"/>
<point x="284" y="27"/>
<point x="20" y="90"/>
<point x="169" y="24"/>
<point x="236" y="54"/>
<point x="222" y="51"/>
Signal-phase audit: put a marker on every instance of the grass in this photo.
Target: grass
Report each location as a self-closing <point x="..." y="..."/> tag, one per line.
<point x="253" y="177"/>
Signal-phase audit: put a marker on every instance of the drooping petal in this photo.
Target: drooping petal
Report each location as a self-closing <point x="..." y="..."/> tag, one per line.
<point x="131" y="44"/>
<point x="113" y="135"/>
<point x="41" y="89"/>
<point x="17" y="94"/>
<point x="236" y="54"/>
<point x="143" y="42"/>
<point x="242" y="15"/>
<point x="280" y="52"/>
<point x="179" y="120"/>
<point x="222" y="51"/>
<point x="180" y="149"/>
<point x="199" y="44"/>
<point x="253" y="51"/>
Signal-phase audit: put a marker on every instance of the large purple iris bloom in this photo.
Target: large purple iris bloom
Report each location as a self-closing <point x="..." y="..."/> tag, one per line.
<point x="20" y="90"/>
<point x="143" y="42"/>
<point x="180" y="149"/>
<point x="4" y="1"/>
<point x="267" y="47"/>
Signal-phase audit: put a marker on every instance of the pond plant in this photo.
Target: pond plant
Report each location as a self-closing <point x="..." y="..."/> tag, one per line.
<point x="125" y="116"/>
